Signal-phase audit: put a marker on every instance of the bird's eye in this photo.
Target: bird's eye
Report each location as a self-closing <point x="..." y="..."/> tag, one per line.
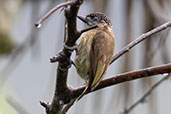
<point x="95" y="18"/>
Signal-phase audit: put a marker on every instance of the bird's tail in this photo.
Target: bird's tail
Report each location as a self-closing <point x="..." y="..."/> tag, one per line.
<point x="83" y="93"/>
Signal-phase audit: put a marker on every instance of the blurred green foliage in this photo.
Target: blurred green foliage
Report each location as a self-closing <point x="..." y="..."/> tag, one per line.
<point x="5" y="108"/>
<point x="6" y="44"/>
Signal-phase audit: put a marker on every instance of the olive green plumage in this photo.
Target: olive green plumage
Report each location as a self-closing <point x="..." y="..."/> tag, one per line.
<point x="94" y="51"/>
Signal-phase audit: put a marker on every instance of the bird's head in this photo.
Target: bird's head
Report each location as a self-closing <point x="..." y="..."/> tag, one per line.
<point x="95" y="19"/>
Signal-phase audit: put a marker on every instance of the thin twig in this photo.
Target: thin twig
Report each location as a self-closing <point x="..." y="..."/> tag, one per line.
<point x="40" y="21"/>
<point x="68" y="106"/>
<point x="140" y="39"/>
<point x="146" y="94"/>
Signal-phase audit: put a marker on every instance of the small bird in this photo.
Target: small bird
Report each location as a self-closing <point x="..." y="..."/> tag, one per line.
<point x="94" y="51"/>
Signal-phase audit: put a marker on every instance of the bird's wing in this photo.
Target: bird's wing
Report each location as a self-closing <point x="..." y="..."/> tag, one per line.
<point x="100" y="56"/>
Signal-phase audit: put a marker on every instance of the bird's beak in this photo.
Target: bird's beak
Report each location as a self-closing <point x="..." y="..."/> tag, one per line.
<point x="87" y="21"/>
<point x="82" y="19"/>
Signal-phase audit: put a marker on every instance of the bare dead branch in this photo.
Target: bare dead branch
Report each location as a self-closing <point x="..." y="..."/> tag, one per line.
<point x="128" y="76"/>
<point x="142" y="99"/>
<point x="62" y="94"/>
<point x="39" y="22"/>
<point x="140" y="39"/>
<point x="46" y="106"/>
<point x="68" y="106"/>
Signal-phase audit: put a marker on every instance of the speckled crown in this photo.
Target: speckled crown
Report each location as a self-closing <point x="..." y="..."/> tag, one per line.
<point x="101" y="17"/>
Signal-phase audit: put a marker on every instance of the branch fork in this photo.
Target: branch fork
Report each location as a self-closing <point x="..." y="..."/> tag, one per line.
<point x="66" y="95"/>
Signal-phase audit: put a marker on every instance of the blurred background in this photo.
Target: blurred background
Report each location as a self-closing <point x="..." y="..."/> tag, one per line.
<point x="27" y="76"/>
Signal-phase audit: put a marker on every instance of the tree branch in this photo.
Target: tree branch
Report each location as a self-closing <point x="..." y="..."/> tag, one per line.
<point x="142" y="99"/>
<point x="65" y="4"/>
<point x="68" y="106"/>
<point x="62" y="93"/>
<point x="140" y="39"/>
<point x="128" y="76"/>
